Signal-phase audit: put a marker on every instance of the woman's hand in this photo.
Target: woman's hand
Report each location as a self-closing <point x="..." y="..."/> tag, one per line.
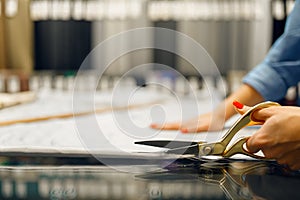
<point x="212" y="121"/>
<point x="279" y="136"/>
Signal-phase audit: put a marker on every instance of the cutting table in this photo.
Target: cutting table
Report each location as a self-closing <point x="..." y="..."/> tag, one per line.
<point x="51" y="159"/>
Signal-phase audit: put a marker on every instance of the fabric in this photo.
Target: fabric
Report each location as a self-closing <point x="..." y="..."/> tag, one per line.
<point x="161" y="56"/>
<point x="61" y="45"/>
<point x="19" y="38"/>
<point x="278" y="23"/>
<point x="281" y="67"/>
<point x="2" y="44"/>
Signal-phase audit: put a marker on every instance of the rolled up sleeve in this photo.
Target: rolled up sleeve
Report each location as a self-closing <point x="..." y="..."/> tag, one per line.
<point x="281" y="67"/>
<point x="267" y="82"/>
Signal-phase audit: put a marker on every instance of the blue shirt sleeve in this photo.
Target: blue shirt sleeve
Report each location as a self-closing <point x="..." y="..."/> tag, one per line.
<point x="281" y="67"/>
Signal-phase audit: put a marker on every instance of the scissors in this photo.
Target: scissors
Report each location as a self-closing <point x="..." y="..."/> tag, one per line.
<point x="219" y="148"/>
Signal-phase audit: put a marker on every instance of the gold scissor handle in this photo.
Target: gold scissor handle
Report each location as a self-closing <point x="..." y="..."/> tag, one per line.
<point x="239" y="148"/>
<point x="246" y="119"/>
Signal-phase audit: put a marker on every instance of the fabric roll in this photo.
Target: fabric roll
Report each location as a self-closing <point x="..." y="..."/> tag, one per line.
<point x="61" y="45"/>
<point x="2" y="36"/>
<point x="279" y="18"/>
<point x="161" y="56"/>
<point x="19" y="38"/>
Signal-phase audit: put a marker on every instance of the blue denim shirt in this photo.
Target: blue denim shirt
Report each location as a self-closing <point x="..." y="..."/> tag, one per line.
<point x="281" y="67"/>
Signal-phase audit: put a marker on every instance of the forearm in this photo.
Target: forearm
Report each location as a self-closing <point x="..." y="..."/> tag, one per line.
<point x="245" y="94"/>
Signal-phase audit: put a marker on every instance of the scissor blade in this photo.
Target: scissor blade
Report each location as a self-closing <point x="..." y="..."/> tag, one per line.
<point x="190" y="149"/>
<point x="167" y="143"/>
<point x="174" y="147"/>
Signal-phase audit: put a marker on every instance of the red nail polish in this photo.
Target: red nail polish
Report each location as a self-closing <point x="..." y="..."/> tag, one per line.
<point x="184" y="130"/>
<point x="153" y="125"/>
<point x="238" y="104"/>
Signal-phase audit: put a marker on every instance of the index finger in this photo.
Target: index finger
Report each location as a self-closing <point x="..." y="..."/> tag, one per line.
<point x="263" y="114"/>
<point x="167" y="126"/>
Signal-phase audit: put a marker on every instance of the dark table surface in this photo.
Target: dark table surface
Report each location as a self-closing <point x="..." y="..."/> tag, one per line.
<point x="87" y="178"/>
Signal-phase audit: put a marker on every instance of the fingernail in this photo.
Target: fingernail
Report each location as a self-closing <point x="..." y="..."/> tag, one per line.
<point x="238" y="105"/>
<point x="153" y="125"/>
<point x="184" y="130"/>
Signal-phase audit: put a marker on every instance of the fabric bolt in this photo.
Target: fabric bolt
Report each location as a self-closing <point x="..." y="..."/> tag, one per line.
<point x="2" y="33"/>
<point x="161" y="56"/>
<point x="61" y="45"/>
<point x="278" y="24"/>
<point x="19" y="38"/>
<point x="281" y="67"/>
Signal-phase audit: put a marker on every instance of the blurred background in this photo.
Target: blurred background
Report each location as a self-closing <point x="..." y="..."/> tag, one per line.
<point x="54" y="36"/>
<point x="43" y="44"/>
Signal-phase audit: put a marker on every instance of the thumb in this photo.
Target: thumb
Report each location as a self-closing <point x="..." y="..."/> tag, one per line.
<point x="253" y="144"/>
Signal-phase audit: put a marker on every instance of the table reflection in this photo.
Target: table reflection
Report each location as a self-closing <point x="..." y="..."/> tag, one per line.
<point x="204" y="179"/>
